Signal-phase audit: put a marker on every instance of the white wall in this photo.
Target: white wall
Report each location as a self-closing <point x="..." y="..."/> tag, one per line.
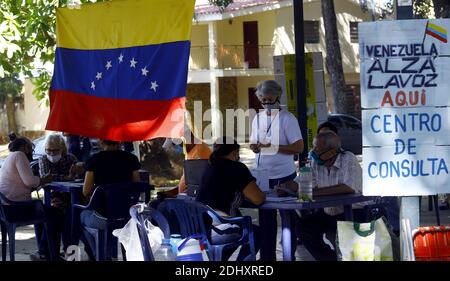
<point x="35" y="114"/>
<point x="345" y="13"/>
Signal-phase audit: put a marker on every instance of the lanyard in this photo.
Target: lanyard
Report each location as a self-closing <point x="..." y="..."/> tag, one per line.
<point x="267" y="132"/>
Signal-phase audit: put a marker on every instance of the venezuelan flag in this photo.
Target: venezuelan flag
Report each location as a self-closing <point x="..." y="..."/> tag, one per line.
<point x="437" y="32"/>
<point x="121" y="69"/>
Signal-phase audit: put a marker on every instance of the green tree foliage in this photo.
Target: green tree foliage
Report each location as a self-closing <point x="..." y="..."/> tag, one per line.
<point x="26" y="35"/>
<point x="222" y="4"/>
<point x="27" y="42"/>
<point x="423" y="8"/>
<point x="27" y="39"/>
<point x="377" y="12"/>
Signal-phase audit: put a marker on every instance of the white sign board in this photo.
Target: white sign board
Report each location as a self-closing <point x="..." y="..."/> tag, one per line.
<point x="405" y="86"/>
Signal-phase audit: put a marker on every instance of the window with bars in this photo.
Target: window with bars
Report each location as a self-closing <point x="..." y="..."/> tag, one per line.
<point x="312" y="34"/>
<point x="354" y="32"/>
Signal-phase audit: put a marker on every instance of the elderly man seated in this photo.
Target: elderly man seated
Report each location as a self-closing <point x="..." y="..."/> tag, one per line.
<point x="336" y="172"/>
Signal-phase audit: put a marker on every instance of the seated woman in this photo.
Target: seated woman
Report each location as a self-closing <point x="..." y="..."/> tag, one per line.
<point x="225" y="183"/>
<point x="17" y="182"/>
<point x="112" y="165"/>
<point x="57" y="161"/>
<point x="62" y="166"/>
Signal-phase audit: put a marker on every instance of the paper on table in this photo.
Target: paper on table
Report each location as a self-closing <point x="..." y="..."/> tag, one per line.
<point x="280" y="199"/>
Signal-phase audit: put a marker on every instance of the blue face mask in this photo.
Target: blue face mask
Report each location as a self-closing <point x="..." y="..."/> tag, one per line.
<point x="316" y="157"/>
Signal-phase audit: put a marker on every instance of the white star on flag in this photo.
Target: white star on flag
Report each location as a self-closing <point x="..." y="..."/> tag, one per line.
<point x="154" y="86"/>
<point x="120" y="58"/>
<point x="108" y="65"/>
<point x="98" y="76"/>
<point x="144" y="71"/>
<point x="93" y="85"/>
<point x="133" y="63"/>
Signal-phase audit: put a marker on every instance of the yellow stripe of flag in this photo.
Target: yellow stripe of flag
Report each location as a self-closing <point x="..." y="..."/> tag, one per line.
<point x="437" y="28"/>
<point x="124" y="23"/>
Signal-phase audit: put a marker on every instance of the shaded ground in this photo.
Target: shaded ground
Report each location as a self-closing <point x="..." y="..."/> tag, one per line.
<point x="26" y="244"/>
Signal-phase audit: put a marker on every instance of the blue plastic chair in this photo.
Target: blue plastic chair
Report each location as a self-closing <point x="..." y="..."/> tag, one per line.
<point x="140" y="213"/>
<point x="112" y="203"/>
<point x="193" y="218"/>
<point x="15" y="214"/>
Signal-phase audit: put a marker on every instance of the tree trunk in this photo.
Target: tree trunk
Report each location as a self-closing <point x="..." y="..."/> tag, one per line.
<point x="334" y="59"/>
<point x="11" y="114"/>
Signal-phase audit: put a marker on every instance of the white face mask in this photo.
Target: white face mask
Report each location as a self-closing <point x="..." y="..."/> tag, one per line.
<point x="54" y="158"/>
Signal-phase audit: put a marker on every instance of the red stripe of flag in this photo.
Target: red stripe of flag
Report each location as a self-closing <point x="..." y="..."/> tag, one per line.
<point x="115" y="119"/>
<point x="436" y="36"/>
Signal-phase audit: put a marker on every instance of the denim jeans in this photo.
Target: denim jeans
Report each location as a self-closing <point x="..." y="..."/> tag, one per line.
<point x="89" y="219"/>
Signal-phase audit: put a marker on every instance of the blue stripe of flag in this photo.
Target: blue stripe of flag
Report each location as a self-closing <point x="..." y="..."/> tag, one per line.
<point x="76" y="70"/>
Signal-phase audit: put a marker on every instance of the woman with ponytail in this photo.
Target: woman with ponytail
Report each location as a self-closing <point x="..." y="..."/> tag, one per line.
<point x="17" y="182"/>
<point x="16" y="177"/>
<point x="224" y="185"/>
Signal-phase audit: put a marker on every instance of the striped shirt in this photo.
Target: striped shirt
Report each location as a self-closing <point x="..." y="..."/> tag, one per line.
<point x="345" y="170"/>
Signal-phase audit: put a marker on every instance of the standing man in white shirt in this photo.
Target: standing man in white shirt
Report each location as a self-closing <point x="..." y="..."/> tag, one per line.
<point x="275" y="138"/>
<point x="336" y="172"/>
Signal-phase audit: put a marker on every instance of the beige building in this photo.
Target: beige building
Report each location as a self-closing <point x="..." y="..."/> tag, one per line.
<point x="233" y="50"/>
<point x="31" y="114"/>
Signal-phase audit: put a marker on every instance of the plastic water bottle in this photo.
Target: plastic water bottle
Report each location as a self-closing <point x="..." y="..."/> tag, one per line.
<point x="174" y="239"/>
<point x="306" y="183"/>
<point x="164" y="253"/>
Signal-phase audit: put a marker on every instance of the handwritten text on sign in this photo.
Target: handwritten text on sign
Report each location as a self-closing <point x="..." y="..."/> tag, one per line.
<point x="405" y="86"/>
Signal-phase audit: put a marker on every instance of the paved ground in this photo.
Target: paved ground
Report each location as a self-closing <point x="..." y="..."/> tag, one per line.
<point x="26" y="243"/>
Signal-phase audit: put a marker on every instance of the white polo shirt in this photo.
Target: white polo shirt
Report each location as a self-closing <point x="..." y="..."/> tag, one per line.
<point x="279" y="129"/>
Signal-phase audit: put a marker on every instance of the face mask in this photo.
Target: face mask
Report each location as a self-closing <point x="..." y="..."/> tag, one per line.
<point x="317" y="157"/>
<point x="271" y="105"/>
<point x="313" y="155"/>
<point x="54" y="158"/>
